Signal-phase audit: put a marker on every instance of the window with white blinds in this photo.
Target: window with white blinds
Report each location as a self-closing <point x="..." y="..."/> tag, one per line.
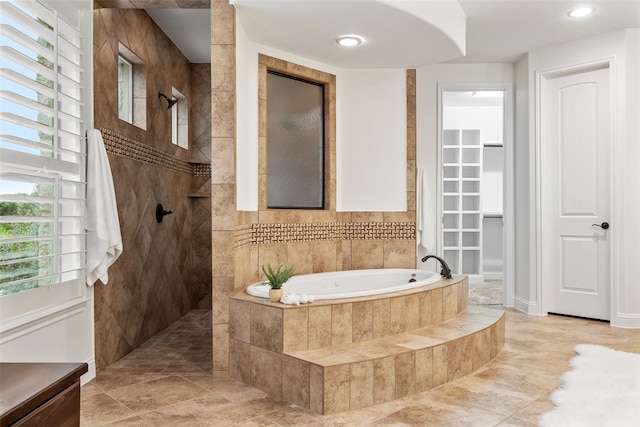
<point x="42" y="148"/>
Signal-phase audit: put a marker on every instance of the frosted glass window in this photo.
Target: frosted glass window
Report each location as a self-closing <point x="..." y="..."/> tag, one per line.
<point x="295" y="143"/>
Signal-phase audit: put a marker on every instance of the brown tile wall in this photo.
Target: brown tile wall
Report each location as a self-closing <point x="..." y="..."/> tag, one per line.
<point x="163" y="271"/>
<point x="200" y="148"/>
<point x="223" y="177"/>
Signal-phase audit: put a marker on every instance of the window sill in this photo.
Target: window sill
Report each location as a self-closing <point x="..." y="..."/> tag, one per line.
<point x="25" y="318"/>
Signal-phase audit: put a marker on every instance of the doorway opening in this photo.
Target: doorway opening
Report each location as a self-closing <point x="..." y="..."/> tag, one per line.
<point x="474" y="200"/>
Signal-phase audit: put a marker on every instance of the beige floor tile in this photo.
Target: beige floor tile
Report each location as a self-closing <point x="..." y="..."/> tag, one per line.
<point x="144" y="397"/>
<point x="530" y="381"/>
<point x="168" y="382"/>
<point x="91" y="388"/>
<point x="130" y="422"/>
<point x="499" y="398"/>
<point x="511" y="422"/>
<point x="100" y="409"/>
<point x="231" y="389"/>
<point x="440" y="413"/>
<point x="295" y="416"/>
<point x="532" y="412"/>
<point x="203" y="411"/>
<point x="108" y="381"/>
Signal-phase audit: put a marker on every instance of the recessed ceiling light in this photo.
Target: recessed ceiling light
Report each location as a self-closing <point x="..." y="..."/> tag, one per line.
<point x="580" y="12"/>
<point x="350" y="40"/>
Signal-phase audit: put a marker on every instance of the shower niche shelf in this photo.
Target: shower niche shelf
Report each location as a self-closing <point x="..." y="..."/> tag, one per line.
<point x="199" y="194"/>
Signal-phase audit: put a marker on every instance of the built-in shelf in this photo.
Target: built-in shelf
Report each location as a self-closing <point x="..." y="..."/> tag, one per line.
<point x="461" y="200"/>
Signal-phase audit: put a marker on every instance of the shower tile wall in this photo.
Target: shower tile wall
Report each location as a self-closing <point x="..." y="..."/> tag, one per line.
<point x="165" y="269"/>
<point x="200" y="139"/>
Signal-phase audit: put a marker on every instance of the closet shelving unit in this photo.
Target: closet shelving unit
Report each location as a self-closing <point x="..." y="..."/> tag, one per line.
<point x="461" y="202"/>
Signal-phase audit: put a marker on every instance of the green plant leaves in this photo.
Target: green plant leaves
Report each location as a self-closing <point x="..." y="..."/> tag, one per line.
<point x="280" y="276"/>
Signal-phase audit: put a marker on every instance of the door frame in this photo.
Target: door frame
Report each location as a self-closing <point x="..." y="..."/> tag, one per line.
<point x="542" y="289"/>
<point x="508" y="178"/>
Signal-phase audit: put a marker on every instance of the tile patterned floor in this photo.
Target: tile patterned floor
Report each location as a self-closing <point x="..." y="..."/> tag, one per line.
<point x="168" y="382"/>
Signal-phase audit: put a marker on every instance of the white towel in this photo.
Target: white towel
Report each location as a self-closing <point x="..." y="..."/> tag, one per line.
<point x="104" y="242"/>
<point x="426" y="234"/>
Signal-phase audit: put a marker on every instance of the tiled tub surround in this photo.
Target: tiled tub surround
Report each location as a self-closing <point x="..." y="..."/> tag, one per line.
<point x="310" y="240"/>
<point x="339" y="355"/>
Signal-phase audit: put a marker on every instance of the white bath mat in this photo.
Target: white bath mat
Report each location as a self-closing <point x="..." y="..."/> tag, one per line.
<point x="602" y="389"/>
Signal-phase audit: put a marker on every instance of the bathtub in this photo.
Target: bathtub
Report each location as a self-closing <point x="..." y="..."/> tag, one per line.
<point x="350" y="283"/>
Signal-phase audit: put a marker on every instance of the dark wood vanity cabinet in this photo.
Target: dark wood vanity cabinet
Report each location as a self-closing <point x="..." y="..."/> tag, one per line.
<point x="40" y="394"/>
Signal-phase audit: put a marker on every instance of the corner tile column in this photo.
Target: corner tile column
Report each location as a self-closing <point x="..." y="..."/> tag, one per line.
<point x="223" y="177"/>
<point x="411" y="144"/>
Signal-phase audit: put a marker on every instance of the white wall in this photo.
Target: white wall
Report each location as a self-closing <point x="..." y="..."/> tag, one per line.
<point x="372" y="145"/>
<point x="486" y="118"/>
<point x="370" y="131"/>
<point x="524" y="196"/>
<point x="621" y="48"/>
<point x="65" y="334"/>
<point x="628" y="297"/>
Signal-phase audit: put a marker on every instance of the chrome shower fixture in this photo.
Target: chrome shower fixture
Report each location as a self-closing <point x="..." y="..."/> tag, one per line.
<point x="170" y="101"/>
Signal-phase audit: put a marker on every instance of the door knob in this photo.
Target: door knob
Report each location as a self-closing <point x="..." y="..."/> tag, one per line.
<point x="604" y="225"/>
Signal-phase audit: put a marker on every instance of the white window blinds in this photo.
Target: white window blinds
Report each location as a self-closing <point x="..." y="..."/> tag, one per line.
<point x="42" y="148"/>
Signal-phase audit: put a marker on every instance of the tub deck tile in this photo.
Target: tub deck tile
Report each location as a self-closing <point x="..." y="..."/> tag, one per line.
<point x="417" y="342"/>
<point x="377" y="350"/>
<point x="333" y="356"/>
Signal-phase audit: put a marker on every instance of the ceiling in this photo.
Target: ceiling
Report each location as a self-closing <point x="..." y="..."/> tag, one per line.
<point x="398" y="33"/>
<point x="188" y="29"/>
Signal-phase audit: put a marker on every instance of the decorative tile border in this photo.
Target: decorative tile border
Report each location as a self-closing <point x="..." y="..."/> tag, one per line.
<point x="121" y="145"/>
<point x="244" y="236"/>
<point x="260" y="234"/>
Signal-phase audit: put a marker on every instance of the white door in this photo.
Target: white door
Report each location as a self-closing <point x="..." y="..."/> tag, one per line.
<point x="575" y="193"/>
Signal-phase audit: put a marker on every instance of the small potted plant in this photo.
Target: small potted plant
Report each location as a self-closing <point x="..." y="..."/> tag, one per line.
<point x="277" y="279"/>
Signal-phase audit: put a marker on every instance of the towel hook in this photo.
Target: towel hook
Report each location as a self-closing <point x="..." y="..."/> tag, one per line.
<point x="160" y="212"/>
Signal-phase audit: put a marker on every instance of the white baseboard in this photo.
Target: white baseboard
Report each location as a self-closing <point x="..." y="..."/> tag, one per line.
<point x="527" y="307"/>
<point x="626" y="320"/>
<point x="475" y="278"/>
<point x="493" y="276"/>
<point x="91" y="373"/>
